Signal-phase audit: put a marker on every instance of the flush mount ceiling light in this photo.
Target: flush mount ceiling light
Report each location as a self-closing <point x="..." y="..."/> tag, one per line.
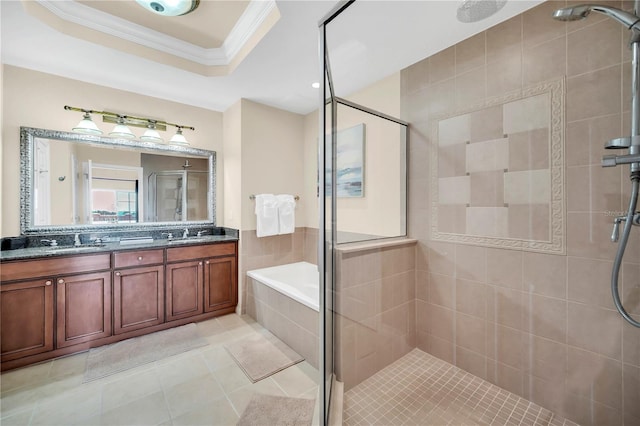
<point x="477" y="10"/>
<point x="169" y="7"/>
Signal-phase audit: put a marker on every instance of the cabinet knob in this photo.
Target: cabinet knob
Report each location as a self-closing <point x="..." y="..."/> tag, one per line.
<point x="207" y="262"/>
<point x="139" y="257"/>
<point x="117" y="274"/>
<point x="200" y="263"/>
<point x="48" y="282"/>
<point x="60" y="281"/>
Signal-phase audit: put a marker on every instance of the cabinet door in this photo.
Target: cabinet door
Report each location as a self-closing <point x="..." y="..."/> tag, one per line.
<point x="83" y="308"/>
<point x="184" y="289"/>
<point x="26" y="315"/>
<point x="220" y="283"/>
<point x="138" y="298"/>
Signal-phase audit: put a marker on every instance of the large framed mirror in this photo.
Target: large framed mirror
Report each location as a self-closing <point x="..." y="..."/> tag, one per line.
<point x="72" y="182"/>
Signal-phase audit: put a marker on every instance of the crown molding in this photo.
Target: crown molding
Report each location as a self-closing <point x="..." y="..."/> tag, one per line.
<point x="248" y="23"/>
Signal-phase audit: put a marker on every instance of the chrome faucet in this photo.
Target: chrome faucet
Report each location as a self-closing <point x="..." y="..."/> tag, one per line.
<point x="52" y="243"/>
<point x="185" y="234"/>
<point x="201" y="233"/>
<point x="76" y="241"/>
<point x="169" y="235"/>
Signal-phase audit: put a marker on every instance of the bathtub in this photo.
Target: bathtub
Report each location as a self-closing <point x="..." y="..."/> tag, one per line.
<point x="285" y="300"/>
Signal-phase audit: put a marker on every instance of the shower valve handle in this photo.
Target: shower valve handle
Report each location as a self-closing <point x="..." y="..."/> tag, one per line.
<point x="616" y="228"/>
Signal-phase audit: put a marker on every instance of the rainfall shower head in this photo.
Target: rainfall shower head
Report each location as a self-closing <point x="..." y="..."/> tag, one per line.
<point x="477" y="10"/>
<point x="575" y="13"/>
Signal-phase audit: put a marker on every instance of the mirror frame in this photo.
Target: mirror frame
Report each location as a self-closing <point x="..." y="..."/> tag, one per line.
<point x="29" y="134"/>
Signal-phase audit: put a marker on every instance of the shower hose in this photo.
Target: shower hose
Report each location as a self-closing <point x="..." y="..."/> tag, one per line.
<point x="622" y="245"/>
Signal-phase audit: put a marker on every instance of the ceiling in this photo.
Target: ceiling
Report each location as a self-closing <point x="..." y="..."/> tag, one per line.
<point x="274" y="64"/>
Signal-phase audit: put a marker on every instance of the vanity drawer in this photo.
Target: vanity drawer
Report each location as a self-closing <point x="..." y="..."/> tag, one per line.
<point x="24" y="269"/>
<point x="200" y="252"/>
<point x="125" y="259"/>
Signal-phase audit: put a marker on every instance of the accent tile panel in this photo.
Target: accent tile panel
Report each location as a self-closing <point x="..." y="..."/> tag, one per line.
<point x="527" y="114"/>
<point x="488" y="155"/>
<point x="513" y="179"/>
<point x="527" y="187"/>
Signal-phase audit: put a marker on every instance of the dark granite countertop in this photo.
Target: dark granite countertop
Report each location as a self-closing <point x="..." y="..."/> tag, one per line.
<point x="66" y="250"/>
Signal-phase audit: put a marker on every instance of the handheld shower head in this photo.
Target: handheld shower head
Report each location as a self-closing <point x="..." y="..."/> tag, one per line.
<point x="575" y="13"/>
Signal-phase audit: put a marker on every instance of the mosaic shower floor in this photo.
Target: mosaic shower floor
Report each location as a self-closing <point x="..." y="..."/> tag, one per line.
<point x="420" y="389"/>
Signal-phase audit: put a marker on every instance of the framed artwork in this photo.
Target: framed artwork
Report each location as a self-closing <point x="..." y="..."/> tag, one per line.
<point x="350" y="162"/>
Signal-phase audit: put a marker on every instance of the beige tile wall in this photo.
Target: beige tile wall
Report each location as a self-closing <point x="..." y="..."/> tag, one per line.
<point x="540" y="325"/>
<point x="375" y="310"/>
<point x="291" y="321"/>
<point x="256" y="253"/>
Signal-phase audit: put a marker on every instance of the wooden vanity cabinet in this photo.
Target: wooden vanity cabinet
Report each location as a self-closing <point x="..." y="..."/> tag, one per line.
<point x="26" y="313"/>
<point x="138" y="290"/>
<point x="83" y="304"/>
<point x="184" y="289"/>
<point x="219" y="281"/>
<point x="33" y="290"/>
<point x="59" y="305"/>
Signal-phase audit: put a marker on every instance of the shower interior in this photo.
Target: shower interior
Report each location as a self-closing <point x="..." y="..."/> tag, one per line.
<point x="177" y="195"/>
<point x="632" y="143"/>
<point x="381" y="382"/>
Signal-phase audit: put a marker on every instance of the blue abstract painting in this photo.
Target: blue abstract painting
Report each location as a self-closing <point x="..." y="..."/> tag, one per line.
<point x="350" y="162"/>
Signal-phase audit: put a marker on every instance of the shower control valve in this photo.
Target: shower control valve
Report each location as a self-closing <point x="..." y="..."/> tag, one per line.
<point x="616" y="228"/>
<point x="616" y="225"/>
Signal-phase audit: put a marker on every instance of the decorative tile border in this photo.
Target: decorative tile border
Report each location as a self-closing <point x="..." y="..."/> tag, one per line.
<point x="556" y="243"/>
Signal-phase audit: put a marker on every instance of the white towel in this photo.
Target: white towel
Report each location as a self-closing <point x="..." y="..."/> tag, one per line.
<point x="266" y="215"/>
<point x="286" y="213"/>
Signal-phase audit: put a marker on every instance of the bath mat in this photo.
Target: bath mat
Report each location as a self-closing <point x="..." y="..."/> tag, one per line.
<point x="277" y="410"/>
<point x="262" y="355"/>
<point x="130" y="353"/>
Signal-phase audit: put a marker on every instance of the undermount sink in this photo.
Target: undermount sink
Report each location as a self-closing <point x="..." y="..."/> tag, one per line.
<point x="72" y="249"/>
<point x="187" y="240"/>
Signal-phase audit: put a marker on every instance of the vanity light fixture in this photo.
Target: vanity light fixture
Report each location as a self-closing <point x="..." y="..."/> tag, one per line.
<point x="121" y="130"/>
<point x="86" y="125"/>
<point x="178" y="138"/>
<point x="151" y="134"/>
<point x="169" y="7"/>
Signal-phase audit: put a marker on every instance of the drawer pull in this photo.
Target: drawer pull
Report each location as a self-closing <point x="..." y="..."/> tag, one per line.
<point x="60" y="281"/>
<point x="117" y="274"/>
<point x="48" y="282"/>
<point x="139" y="257"/>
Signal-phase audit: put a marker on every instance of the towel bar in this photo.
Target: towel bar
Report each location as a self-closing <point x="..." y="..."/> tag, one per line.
<point x="253" y="197"/>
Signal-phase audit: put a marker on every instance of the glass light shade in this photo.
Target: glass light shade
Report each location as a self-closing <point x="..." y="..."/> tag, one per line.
<point x="178" y="138"/>
<point x="87" y="126"/>
<point x="169" y="7"/>
<point x="122" y="131"/>
<point x="151" y="134"/>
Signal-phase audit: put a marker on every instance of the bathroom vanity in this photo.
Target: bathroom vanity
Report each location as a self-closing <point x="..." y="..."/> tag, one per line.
<point x="58" y="302"/>
<point x="96" y="261"/>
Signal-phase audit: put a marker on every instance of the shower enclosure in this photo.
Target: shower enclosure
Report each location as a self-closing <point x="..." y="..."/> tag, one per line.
<point x="363" y="164"/>
<point x="507" y="129"/>
<point x="177" y="195"/>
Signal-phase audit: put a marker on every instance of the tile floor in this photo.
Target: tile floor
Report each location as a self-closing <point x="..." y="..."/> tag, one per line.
<point x="420" y="389"/>
<point x="202" y="386"/>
